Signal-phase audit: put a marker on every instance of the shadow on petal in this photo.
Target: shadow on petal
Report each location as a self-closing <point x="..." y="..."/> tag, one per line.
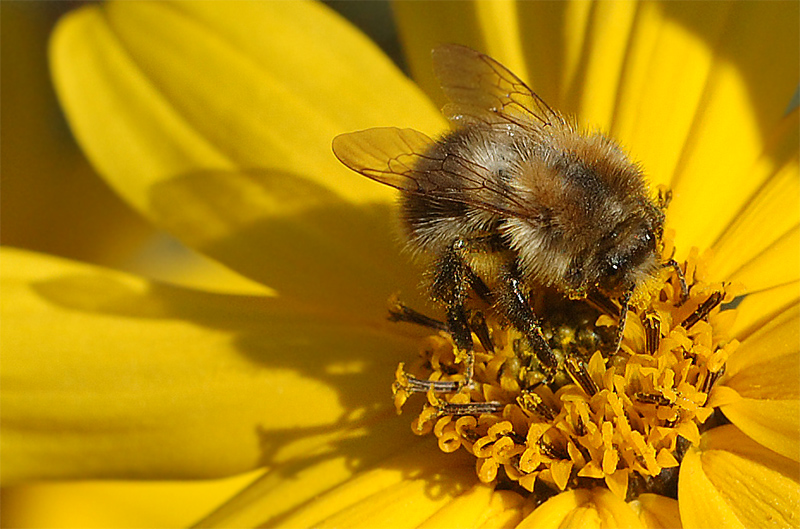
<point x="293" y="235"/>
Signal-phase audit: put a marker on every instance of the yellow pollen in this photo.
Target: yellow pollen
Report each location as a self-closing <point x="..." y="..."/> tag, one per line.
<point x="620" y="420"/>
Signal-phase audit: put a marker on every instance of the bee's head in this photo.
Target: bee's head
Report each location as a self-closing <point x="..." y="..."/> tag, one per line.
<point x="627" y="256"/>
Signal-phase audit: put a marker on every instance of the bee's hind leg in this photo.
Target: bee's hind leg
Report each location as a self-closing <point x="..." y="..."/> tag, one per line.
<point x="452" y="279"/>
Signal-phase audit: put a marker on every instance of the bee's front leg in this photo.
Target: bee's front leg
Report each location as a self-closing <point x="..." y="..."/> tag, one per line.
<point x="514" y="304"/>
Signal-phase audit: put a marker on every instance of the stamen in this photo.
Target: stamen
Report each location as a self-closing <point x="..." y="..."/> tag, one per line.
<point x="652" y="332"/>
<point x="551" y="450"/>
<point x="532" y="402"/>
<point x="473" y="408"/>
<point x="653" y="398"/>
<point x="703" y="310"/>
<point x="711" y="379"/>
<point x="596" y="416"/>
<point x="478" y="325"/>
<point x="418" y="385"/>
<point x="577" y="370"/>
<point x="401" y="312"/>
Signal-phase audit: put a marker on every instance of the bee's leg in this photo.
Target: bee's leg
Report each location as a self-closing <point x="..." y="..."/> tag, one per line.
<point x="479" y="287"/>
<point x="451" y="282"/>
<point x="624" y="302"/>
<point x="681" y="278"/>
<point x="515" y="306"/>
<point x="664" y="198"/>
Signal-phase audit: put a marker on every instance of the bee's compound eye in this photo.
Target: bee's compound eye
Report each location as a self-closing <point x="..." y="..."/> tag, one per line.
<point x="613" y="266"/>
<point x="613" y="272"/>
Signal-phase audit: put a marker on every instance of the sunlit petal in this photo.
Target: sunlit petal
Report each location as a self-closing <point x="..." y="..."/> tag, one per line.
<point x="404" y="490"/>
<point x="760" y="392"/>
<point x="778" y="264"/>
<point x="658" y="512"/>
<point x="758" y="309"/>
<point x="583" y="509"/>
<point x="743" y="98"/>
<point x="731" y="481"/>
<point x="769" y="214"/>
<point x="491" y="27"/>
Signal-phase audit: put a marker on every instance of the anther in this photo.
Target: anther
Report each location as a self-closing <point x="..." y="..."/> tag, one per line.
<point x="418" y="385"/>
<point x="652" y="332"/>
<point x="401" y="312"/>
<point x="652" y="398"/>
<point x="710" y="379"/>
<point x="478" y="325"/>
<point x="577" y="371"/>
<point x="550" y="450"/>
<point x="624" y="301"/>
<point x="472" y="408"/>
<point x="533" y="403"/>
<point x="703" y="310"/>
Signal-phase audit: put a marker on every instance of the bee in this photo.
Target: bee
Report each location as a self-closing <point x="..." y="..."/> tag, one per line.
<point x="512" y="199"/>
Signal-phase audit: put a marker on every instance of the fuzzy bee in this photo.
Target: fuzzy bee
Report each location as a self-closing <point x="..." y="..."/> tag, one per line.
<point x="511" y="200"/>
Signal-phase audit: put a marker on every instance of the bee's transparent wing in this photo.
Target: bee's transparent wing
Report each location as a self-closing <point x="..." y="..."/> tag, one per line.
<point x="406" y="160"/>
<point x="387" y="155"/>
<point x="483" y="90"/>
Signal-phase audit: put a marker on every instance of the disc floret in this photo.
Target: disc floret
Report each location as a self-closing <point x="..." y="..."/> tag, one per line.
<point x="620" y="419"/>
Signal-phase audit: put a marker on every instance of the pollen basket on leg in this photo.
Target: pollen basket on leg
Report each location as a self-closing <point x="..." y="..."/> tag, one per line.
<point x="611" y="417"/>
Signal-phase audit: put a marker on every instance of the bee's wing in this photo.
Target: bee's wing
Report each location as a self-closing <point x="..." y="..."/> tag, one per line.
<point x="481" y="89"/>
<point x="386" y="154"/>
<point x="393" y="157"/>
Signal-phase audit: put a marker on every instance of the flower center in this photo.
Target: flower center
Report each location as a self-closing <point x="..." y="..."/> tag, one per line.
<point x="621" y="418"/>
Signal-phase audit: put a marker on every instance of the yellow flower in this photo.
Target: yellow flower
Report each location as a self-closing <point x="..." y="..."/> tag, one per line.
<point x="214" y="121"/>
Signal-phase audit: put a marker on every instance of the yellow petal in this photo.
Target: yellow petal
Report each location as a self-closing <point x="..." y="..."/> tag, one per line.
<point x="732" y="481"/>
<point x="102" y="504"/>
<point x="764" y="371"/>
<point x="583" y="509"/>
<point x="52" y="200"/>
<point x="743" y="98"/>
<point x="777" y="264"/>
<point x="490" y="27"/>
<point x="591" y="85"/>
<point x="657" y="512"/>
<point x="158" y="67"/>
<point x="668" y="62"/>
<point x="420" y="485"/>
<point x="209" y="87"/>
<point x="774" y="342"/>
<point x="293" y="235"/>
<point x="480" y="504"/>
<point x="759" y="308"/>
<point x="773" y="423"/>
<point x="183" y="383"/>
<point x="768" y="214"/>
